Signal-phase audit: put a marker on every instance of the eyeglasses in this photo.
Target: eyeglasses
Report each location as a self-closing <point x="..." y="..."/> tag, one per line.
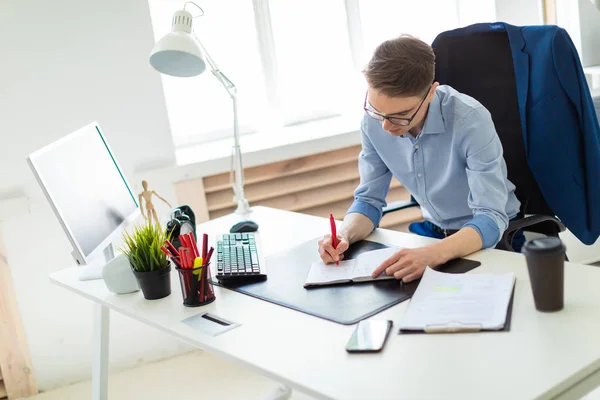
<point x="394" y="120"/>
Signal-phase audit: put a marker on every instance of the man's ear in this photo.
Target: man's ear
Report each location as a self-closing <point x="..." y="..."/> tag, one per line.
<point x="432" y="90"/>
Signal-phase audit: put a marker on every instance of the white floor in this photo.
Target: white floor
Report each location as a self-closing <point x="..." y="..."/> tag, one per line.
<point x="196" y="375"/>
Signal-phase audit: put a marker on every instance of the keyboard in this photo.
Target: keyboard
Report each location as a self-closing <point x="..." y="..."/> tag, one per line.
<point x="238" y="258"/>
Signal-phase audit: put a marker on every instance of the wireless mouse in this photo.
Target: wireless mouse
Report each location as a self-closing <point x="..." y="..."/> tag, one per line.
<point x="244" y="226"/>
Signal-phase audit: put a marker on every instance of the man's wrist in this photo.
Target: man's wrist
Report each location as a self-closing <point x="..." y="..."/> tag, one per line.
<point x="355" y="227"/>
<point x="345" y="234"/>
<point x="440" y="253"/>
<point x="464" y="242"/>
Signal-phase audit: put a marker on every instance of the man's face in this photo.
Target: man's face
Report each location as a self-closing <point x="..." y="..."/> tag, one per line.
<point x="400" y="107"/>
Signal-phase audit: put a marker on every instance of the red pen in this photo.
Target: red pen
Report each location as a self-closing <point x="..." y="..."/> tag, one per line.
<point x="334" y="241"/>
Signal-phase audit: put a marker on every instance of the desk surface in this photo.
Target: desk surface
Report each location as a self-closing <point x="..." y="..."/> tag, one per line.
<point x="542" y="355"/>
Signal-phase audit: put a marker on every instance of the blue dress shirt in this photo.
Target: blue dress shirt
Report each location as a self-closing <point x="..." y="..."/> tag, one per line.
<point x="454" y="168"/>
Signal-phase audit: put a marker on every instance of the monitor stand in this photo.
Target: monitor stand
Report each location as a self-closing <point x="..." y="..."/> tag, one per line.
<point x="93" y="270"/>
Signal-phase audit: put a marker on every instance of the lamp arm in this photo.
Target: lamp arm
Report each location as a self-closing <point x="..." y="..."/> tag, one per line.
<point x="221" y="77"/>
<point x="243" y="206"/>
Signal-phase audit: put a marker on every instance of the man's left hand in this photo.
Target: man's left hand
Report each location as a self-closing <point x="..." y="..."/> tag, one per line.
<point x="408" y="264"/>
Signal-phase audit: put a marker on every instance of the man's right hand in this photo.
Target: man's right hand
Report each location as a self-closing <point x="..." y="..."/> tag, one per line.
<point x="330" y="255"/>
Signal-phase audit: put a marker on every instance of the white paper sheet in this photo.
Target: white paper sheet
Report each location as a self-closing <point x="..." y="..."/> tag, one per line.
<point x="320" y="272"/>
<point x="368" y="261"/>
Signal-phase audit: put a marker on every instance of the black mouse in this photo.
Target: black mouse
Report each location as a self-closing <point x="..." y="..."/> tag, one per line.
<point x="244" y="226"/>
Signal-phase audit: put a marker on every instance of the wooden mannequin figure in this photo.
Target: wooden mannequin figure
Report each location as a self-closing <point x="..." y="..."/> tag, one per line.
<point x="147" y="195"/>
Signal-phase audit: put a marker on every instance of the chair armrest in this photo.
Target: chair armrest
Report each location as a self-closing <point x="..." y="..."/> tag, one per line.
<point x="549" y="224"/>
<point x="399" y="205"/>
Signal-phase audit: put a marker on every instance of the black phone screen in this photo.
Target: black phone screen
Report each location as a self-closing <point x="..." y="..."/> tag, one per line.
<point x="369" y="336"/>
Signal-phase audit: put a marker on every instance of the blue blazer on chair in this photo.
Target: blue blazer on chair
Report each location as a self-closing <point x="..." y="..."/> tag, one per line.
<point x="559" y="124"/>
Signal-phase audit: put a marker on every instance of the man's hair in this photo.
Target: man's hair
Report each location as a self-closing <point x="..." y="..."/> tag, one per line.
<point x="401" y="67"/>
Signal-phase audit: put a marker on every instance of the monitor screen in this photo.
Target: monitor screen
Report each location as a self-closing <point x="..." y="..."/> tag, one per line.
<point x="86" y="187"/>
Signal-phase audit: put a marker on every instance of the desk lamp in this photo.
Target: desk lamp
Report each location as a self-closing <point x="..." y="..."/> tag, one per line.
<point x="180" y="54"/>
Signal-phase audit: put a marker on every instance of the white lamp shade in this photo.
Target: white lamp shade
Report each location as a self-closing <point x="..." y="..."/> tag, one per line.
<point x="178" y="54"/>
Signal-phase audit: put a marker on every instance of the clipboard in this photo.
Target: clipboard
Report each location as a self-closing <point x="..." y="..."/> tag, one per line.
<point x="457" y="327"/>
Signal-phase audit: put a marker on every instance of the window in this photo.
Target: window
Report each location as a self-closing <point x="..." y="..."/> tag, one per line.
<point x="383" y="19"/>
<point x="199" y="109"/>
<point x="293" y="62"/>
<point x="313" y="56"/>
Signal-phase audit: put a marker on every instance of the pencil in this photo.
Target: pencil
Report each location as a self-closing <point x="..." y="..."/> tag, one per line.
<point x="194" y="244"/>
<point x="164" y="250"/>
<point x="204" y="245"/>
<point x="171" y="247"/>
<point x="209" y="255"/>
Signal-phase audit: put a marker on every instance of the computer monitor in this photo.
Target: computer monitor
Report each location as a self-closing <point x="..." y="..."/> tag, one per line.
<point x="88" y="192"/>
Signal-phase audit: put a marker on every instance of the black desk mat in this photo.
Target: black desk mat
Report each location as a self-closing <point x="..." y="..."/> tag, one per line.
<point x="342" y="303"/>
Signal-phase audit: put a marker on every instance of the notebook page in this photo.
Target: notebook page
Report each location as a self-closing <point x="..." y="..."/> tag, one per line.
<point x="321" y="273"/>
<point x="459" y="300"/>
<point x="368" y="261"/>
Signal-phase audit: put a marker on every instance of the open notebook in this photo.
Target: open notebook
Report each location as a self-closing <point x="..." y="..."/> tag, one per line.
<point x="459" y="302"/>
<point x="358" y="269"/>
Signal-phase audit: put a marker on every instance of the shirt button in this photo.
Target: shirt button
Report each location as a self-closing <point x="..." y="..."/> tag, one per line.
<point x="419" y="175"/>
<point x="437" y="219"/>
<point x="425" y="202"/>
<point x="417" y="147"/>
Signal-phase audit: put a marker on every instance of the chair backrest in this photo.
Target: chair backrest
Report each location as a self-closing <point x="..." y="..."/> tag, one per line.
<point x="481" y="66"/>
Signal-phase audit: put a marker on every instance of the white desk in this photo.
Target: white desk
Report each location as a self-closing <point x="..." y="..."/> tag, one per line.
<point x="543" y="355"/>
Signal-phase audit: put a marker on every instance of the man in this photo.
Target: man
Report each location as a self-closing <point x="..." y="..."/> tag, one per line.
<point x="443" y="147"/>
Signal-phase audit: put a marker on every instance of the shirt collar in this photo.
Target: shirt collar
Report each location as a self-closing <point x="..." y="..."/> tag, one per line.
<point x="434" y="121"/>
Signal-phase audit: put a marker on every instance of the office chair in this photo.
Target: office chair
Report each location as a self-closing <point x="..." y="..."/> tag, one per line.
<point x="481" y="66"/>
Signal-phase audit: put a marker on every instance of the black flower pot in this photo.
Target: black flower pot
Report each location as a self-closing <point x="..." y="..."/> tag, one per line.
<point x="155" y="284"/>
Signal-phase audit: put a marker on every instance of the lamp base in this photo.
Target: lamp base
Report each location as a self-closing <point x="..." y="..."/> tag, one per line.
<point x="243" y="208"/>
<point x="245" y="224"/>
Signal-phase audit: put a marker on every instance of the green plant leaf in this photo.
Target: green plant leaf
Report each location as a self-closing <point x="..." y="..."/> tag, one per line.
<point x="142" y="246"/>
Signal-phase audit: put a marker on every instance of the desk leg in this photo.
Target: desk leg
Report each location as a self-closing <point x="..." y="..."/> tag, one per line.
<point x="100" y="360"/>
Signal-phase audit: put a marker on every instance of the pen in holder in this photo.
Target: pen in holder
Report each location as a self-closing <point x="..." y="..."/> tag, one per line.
<point x="196" y="286"/>
<point x="193" y="267"/>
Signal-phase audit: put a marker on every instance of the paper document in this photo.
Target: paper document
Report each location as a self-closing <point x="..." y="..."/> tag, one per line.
<point x="455" y="302"/>
<point x="355" y="270"/>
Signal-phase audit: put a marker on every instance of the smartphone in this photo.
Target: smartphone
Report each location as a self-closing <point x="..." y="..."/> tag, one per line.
<point x="369" y="336"/>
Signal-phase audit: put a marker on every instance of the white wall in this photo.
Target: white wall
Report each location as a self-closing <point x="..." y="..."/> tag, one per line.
<point x="63" y="64"/>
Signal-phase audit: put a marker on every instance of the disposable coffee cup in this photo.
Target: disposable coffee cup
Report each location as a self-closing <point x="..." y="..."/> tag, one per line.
<point x="546" y="266"/>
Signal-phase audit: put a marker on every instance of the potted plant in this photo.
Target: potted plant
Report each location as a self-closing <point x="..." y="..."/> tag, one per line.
<point x="150" y="265"/>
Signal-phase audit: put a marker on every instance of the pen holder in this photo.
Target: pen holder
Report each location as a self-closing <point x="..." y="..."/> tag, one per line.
<point x="196" y="287"/>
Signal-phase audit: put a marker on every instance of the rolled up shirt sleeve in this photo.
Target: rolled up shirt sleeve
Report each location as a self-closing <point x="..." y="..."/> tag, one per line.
<point x="375" y="178"/>
<point x="488" y="193"/>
